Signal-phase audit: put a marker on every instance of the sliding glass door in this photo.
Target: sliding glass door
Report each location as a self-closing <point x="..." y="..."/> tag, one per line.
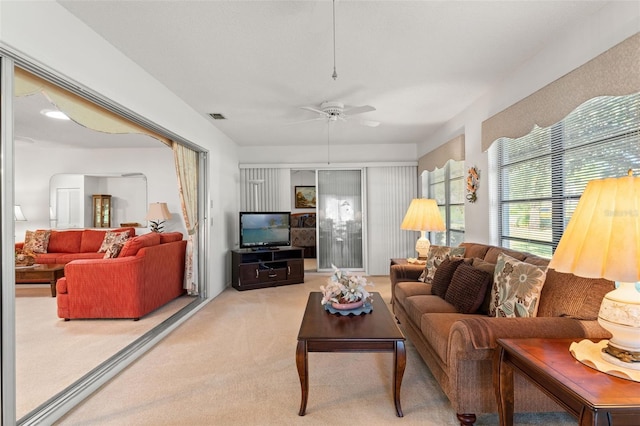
<point x="339" y="206"/>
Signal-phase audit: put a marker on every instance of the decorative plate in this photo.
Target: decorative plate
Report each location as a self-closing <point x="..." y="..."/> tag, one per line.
<point x="364" y="309"/>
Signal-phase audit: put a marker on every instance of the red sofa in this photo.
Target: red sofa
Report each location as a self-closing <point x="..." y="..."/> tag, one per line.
<point x="65" y="246"/>
<point x="147" y="274"/>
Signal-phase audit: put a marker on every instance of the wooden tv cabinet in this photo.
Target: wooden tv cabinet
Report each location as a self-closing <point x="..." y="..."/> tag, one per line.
<point x="251" y="268"/>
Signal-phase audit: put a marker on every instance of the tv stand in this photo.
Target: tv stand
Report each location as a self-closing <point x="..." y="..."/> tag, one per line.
<point x="261" y="267"/>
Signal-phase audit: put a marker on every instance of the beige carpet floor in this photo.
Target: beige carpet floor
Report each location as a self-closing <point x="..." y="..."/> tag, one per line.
<point x="234" y="363"/>
<point x="52" y="353"/>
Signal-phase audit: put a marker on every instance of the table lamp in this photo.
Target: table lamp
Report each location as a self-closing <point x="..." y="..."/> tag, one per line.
<point x="158" y="213"/>
<point x="423" y="215"/>
<point x="602" y="240"/>
<point x="18" y="215"/>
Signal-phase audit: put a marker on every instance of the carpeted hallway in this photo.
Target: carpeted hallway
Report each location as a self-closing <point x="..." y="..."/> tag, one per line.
<point x="234" y="363"/>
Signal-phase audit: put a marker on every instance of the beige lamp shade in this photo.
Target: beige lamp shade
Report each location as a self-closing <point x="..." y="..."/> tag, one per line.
<point x="18" y="215"/>
<point x="423" y="215"/>
<point x="158" y="211"/>
<point x="602" y="239"/>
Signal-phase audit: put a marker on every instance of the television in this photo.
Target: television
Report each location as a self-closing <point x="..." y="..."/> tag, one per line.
<point x="265" y="230"/>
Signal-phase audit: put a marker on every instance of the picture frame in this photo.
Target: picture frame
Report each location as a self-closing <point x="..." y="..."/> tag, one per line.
<point x="305" y="197"/>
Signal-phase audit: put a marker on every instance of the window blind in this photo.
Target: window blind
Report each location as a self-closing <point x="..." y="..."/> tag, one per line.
<point x="447" y="187"/>
<point x="542" y="174"/>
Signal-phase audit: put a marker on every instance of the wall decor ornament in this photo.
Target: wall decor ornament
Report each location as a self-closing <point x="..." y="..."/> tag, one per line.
<point x="473" y="180"/>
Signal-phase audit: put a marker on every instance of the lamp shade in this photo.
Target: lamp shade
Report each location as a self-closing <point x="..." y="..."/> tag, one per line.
<point x="18" y="215"/>
<point x="423" y="215"/>
<point x="602" y="239"/>
<point x="158" y="211"/>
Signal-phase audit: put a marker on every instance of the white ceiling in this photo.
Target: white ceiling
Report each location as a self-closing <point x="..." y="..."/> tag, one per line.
<point x="419" y="63"/>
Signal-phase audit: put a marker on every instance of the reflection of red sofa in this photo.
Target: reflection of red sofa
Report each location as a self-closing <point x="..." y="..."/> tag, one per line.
<point x="147" y="274"/>
<point x="65" y="246"/>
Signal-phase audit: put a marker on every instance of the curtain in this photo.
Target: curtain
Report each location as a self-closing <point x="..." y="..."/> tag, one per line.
<point x="613" y="73"/>
<point x="436" y="159"/>
<point x="78" y="109"/>
<point x="186" y="161"/>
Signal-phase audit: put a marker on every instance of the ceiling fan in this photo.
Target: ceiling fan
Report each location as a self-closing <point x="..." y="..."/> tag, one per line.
<point x="334" y="111"/>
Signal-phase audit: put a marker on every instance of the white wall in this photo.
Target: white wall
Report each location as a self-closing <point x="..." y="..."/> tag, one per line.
<point x="612" y="24"/>
<point x="48" y="35"/>
<point x="34" y="167"/>
<point x="336" y="154"/>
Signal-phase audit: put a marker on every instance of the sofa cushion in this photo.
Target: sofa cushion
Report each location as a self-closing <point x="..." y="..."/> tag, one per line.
<point x="468" y="288"/>
<point x="516" y="288"/>
<point x="68" y="257"/>
<point x="494" y="252"/>
<point x="473" y="250"/>
<point x="132" y="245"/>
<point x="113" y="238"/>
<point x="405" y="289"/>
<point x="443" y="275"/>
<point x="435" y="257"/>
<point x="416" y="306"/>
<point x="65" y="242"/>
<point x="36" y="241"/>
<point x="567" y="295"/>
<point x="170" y="237"/>
<point x="91" y="240"/>
<point x="489" y="268"/>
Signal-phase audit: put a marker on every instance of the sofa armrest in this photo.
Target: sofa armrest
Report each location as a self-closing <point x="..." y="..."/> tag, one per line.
<point x="400" y="273"/>
<point x="409" y="272"/>
<point x="475" y="338"/>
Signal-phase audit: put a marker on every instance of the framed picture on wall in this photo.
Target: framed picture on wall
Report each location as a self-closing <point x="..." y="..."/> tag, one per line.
<point x="305" y="197"/>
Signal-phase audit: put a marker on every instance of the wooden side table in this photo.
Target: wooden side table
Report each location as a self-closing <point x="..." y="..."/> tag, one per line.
<point x="593" y="397"/>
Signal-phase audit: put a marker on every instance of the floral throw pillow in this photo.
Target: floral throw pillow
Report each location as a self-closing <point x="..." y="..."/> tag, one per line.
<point x="36" y="241"/>
<point x="435" y="257"/>
<point x="112" y="238"/>
<point x="113" y="251"/>
<point x="516" y="288"/>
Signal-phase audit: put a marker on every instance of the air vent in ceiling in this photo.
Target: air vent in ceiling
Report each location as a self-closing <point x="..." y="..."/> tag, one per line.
<point x="217" y="116"/>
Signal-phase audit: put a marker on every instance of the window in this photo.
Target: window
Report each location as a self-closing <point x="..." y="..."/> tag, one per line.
<point x="542" y="175"/>
<point x="447" y="187"/>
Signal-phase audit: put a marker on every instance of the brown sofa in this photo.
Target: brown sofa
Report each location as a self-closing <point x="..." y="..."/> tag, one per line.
<point x="459" y="348"/>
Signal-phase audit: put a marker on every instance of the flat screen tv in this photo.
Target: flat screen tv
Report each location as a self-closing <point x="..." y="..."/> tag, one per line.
<point x="265" y="229"/>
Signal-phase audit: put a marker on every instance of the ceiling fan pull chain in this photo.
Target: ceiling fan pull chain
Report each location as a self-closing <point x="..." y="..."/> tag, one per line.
<point x="335" y="74"/>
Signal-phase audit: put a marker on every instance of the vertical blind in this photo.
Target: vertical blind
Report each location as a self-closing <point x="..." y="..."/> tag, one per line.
<point x="261" y="189"/>
<point x="389" y="194"/>
<point x="542" y="174"/>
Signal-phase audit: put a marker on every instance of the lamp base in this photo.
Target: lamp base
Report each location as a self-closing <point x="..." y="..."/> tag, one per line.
<point x="631" y="359"/>
<point x="422" y="246"/>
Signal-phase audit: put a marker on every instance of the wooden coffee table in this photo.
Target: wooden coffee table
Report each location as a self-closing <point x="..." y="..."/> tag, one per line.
<point x="376" y="331"/>
<point x="593" y="397"/>
<point x="40" y="273"/>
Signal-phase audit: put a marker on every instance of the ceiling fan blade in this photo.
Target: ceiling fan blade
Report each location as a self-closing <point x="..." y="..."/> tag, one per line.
<point x="313" y="109"/>
<point x="359" y="110"/>
<point x="369" y="123"/>
<point x="305" y="121"/>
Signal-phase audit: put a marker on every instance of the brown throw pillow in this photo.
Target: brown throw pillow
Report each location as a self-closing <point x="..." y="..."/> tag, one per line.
<point x="468" y="288"/>
<point x="443" y="275"/>
<point x="113" y="251"/>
